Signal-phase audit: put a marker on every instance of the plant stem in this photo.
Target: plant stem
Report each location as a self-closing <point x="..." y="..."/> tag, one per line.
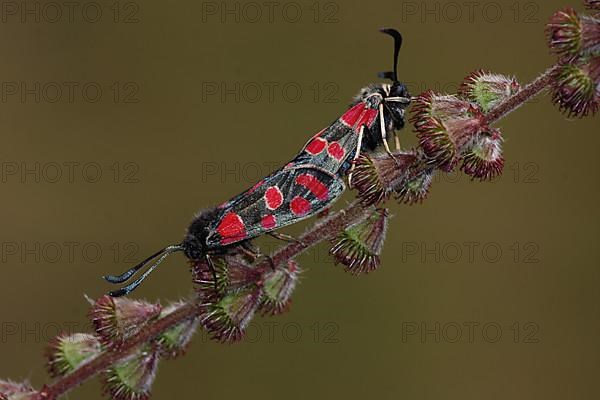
<point x="325" y="229"/>
<point x="112" y="356"/>
<point x="523" y="96"/>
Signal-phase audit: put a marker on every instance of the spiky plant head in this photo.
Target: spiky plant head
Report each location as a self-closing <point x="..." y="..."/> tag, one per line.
<point x="374" y="175"/>
<point x="576" y="88"/>
<point x="173" y="342"/>
<point x="487" y="89"/>
<point x="359" y="246"/>
<point x="66" y="353"/>
<point x="116" y="319"/>
<point x="278" y="286"/>
<point x="132" y="378"/>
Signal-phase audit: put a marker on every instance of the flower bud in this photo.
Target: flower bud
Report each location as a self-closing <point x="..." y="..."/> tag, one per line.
<point x="440" y="106"/>
<point x="487" y="89"/>
<point x="132" y="378"/>
<point x="415" y="188"/>
<point x="227" y="317"/>
<point x="174" y="341"/>
<point x="446" y="125"/>
<point x="10" y="390"/>
<point x="278" y="285"/>
<point x="66" y="353"/>
<point x="570" y="34"/>
<point x="576" y="88"/>
<point x="484" y="160"/>
<point x="359" y="246"/>
<point x="116" y="319"/>
<point x="230" y="272"/>
<point x="375" y="175"/>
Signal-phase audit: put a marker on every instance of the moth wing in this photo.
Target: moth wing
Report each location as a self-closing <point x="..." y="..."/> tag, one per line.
<point x="334" y="147"/>
<point x="287" y="196"/>
<point x="307" y="185"/>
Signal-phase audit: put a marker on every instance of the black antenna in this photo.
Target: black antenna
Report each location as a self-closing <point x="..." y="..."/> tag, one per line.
<point x="116" y="279"/>
<point x="397" y="44"/>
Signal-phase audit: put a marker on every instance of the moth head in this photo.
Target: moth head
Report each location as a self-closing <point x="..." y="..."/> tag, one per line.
<point x="398" y="91"/>
<point x="397" y="98"/>
<point x="395" y="105"/>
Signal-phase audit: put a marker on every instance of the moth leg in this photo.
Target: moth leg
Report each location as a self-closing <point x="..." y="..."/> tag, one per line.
<point x="285" y="238"/>
<point x="254" y="254"/>
<point x="249" y="251"/>
<point x="356" y="154"/>
<point x="384" y="134"/>
<point x="397" y="140"/>
<point x="211" y="266"/>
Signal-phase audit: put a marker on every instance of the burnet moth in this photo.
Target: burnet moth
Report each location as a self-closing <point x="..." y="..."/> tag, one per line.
<point x="306" y="186"/>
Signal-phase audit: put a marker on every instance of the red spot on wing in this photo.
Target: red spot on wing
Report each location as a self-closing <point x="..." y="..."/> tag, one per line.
<point x="359" y="115"/>
<point x="231" y="228"/>
<point x="351" y="116"/>
<point x="313" y="184"/>
<point x="367" y="118"/>
<point x="336" y="151"/>
<point x="273" y="198"/>
<point x="300" y="206"/>
<point x="268" y="222"/>
<point x="316" y="146"/>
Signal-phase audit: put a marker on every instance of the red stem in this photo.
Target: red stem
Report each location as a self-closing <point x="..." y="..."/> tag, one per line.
<point x="523" y="96"/>
<point x="110" y="357"/>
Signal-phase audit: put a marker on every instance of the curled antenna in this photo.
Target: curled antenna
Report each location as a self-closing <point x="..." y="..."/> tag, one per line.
<point x="397" y="44"/>
<point x="116" y="279"/>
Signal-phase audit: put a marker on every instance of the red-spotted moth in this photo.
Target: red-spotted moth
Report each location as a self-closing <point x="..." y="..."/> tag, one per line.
<point x="307" y="185"/>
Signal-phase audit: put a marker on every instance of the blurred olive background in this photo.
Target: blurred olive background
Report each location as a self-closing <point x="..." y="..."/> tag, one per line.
<point x="117" y="131"/>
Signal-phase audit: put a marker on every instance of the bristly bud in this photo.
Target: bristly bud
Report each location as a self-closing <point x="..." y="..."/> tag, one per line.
<point x="415" y="188"/>
<point x="204" y="277"/>
<point x="116" y="319"/>
<point x="359" y="246"/>
<point x="440" y="106"/>
<point x="66" y="353"/>
<point x="576" y="89"/>
<point x="564" y="32"/>
<point x="484" y="159"/>
<point x="174" y="341"/>
<point x="443" y="142"/>
<point x="227" y="317"/>
<point x="374" y="176"/>
<point x="132" y="379"/>
<point x="488" y="89"/>
<point x="446" y="125"/>
<point x="17" y="391"/>
<point x="231" y="273"/>
<point x="570" y="34"/>
<point x="278" y="285"/>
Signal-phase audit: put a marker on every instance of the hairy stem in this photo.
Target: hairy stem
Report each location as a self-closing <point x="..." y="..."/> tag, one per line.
<point x="523" y="96"/>
<point x="111" y="357"/>
<point x="325" y="229"/>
